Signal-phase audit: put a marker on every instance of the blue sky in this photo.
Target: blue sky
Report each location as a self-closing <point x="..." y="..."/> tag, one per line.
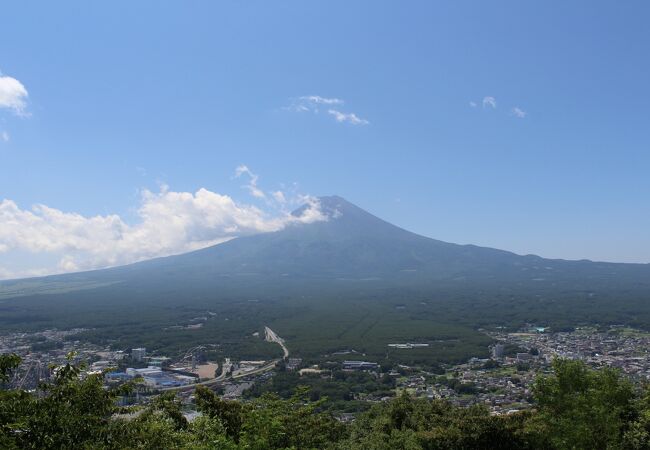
<point x="125" y="97"/>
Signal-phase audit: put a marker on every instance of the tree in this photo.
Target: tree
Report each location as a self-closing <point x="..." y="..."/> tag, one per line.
<point x="229" y="413"/>
<point x="11" y="403"/>
<point x="581" y="408"/>
<point x="68" y="412"/>
<point x="7" y="364"/>
<point x="409" y="423"/>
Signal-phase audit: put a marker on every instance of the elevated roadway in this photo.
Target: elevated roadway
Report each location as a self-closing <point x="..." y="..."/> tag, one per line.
<point x="270" y="336"/>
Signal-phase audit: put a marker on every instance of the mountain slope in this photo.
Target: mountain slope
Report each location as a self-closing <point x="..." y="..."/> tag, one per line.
<point x="351" y="281"/>
<point x="353" y="244"/>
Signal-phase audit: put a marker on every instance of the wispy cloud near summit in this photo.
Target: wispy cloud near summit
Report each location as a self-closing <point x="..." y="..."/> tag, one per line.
<point x="252" y="183"/>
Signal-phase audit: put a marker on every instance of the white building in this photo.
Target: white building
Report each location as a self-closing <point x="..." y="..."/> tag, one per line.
<point x="138" y="354"/>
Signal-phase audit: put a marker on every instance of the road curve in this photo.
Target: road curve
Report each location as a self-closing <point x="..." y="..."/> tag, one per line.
<point x="270" y="336"/>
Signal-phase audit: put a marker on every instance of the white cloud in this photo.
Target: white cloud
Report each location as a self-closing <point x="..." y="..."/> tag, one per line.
<point x="4" y="136"/>
<point x="13" y="95"/>
<point x="168" y="223"/>
<point x="311" y="103"/>
<point x="252" y="183"/>
<point x="473" y="104"/>
<point x="517" y="112"/>
<point x="279" y="197"/>
<point x="298" y="107"/>
<point x="318" y="100"/>
<point x="347" y="117"/>
<point x="489" y="101"/>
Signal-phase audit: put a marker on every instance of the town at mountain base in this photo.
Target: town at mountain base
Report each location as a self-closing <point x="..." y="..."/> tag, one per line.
<point x="576" y="408"/>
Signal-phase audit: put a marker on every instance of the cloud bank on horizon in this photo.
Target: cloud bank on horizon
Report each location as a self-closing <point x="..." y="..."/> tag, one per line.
<point x="168" y="223"/>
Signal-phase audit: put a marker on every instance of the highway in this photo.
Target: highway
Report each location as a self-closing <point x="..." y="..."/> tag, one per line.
<point x="270" y="336"/>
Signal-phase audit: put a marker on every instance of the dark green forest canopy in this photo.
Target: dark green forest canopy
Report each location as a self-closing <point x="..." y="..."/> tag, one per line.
<point x="576" y="408"/>
<point x="330" y="319"/>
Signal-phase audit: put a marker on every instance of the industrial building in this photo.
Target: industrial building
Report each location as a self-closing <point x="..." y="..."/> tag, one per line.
<point x="157" y="378"/>
<point x="360" y="365"/>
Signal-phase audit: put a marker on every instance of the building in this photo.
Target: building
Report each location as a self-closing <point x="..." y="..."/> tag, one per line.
<point x="524" y="357"/>
<point x="498" y="351"/>
<point x="101" y="365"/>
<point x="360" y="365"/>
<point x="117" y="376"/>
<point x="408" y="345"/>
<point x="293" y="363"/>
<point x="156" y="378"/>
<point x="158" y="361"/>
<point x="148" y="371"/>
<point x="138" y="354"/>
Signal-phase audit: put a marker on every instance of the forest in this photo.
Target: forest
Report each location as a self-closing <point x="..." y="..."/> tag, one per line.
<point x="448" y="317"/>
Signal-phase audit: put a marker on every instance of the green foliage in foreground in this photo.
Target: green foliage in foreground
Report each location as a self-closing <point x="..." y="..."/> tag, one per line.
<point x="337" y="392"/>
<point x="577" y="408"/>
